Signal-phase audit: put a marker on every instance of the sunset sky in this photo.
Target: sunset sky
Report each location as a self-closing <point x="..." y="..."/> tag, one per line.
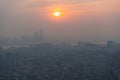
<point x="90" y="20"/>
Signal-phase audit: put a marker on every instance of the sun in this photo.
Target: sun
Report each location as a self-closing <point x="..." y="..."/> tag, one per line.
<point x="57" y="13"/>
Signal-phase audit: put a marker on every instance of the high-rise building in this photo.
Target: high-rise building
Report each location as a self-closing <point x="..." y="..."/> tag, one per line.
<point x="110" y="43"/>
<point x="38" y="36"/>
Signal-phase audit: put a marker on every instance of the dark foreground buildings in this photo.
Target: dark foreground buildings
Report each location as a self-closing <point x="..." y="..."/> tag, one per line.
<point x="84" y="61"/>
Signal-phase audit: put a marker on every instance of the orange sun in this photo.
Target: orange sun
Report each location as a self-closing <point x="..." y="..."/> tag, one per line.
<point x="57" y="13"/>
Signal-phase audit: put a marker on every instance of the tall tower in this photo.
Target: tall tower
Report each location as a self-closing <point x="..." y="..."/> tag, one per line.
<point x="1" y="35"/>
<point x="41" y="38"/>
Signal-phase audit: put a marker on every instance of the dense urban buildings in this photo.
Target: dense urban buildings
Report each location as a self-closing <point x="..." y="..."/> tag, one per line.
<point x="45" y="61"/>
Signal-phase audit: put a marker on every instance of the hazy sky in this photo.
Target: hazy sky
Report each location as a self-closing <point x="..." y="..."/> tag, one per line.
<point x="90" y="20"/>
